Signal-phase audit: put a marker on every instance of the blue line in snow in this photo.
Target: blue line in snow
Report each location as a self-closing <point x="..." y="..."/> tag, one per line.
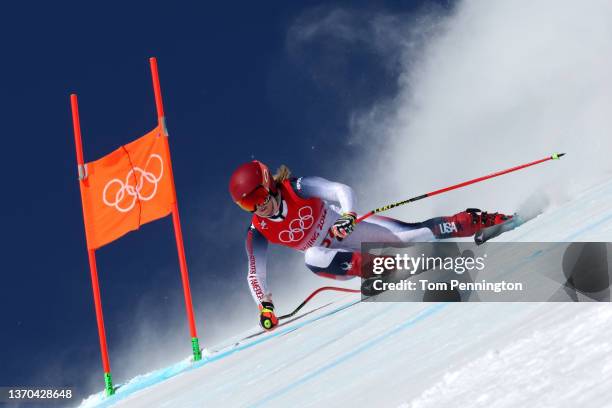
<point x="156" y="377"/>
<point x="570" y="238"/>
<point x="365" y="346"/>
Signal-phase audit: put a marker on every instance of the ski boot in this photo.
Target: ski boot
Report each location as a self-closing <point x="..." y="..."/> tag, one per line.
<point x="467" y="223"/>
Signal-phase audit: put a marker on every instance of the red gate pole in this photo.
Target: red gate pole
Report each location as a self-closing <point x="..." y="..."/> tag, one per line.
<point x="176" y="221"/>
<point x="108" y="382"/>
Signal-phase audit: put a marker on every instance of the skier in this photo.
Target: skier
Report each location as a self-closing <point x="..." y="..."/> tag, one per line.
<point x="317" y="216"/>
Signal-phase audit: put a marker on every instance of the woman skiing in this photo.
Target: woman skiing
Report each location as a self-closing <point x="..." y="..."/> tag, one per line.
<point x="317" y="216"/>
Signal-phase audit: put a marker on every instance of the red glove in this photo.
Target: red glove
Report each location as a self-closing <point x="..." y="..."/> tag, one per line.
<point x="267" y="318"/>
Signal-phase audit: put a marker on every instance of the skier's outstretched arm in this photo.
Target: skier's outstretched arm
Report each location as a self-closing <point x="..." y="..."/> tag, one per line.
<point x="256" y="249"/>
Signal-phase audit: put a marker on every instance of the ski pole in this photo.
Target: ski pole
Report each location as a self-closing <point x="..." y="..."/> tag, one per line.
<point x="313" y="294"/>
<point x="555" y="156"/>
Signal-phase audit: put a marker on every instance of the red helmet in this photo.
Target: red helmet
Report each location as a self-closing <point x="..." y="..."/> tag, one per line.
<point x="251" y="184"/>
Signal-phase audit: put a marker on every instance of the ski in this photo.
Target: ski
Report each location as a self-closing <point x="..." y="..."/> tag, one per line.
<point x="493" y="231"/>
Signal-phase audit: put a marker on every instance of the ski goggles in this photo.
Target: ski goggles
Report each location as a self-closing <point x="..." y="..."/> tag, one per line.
<point x="257" y="198"/>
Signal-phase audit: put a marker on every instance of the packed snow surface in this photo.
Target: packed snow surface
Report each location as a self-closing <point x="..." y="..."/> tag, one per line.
<point x="417" y="355"/>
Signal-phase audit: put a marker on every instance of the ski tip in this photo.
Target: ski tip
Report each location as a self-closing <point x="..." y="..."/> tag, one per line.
<point x="557" y="156"/>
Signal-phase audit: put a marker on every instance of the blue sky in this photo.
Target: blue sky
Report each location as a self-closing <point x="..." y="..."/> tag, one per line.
<point x="235" y="88"/>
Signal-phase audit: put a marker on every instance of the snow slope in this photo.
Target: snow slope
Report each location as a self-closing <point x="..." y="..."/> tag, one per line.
<point x="414" y="355"/>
